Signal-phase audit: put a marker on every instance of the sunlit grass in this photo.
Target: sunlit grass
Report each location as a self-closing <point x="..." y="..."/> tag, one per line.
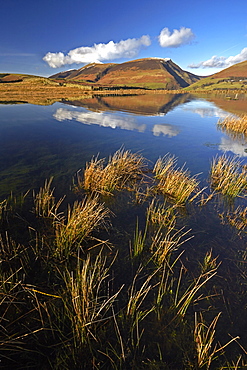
<point x="228" y="176"/>
<point x="234" y="124"/>
<point x="81" y="220"/>
<point x="121" y="171"/>
<point x="67" y="301"/>
<point x="175" y="183"/>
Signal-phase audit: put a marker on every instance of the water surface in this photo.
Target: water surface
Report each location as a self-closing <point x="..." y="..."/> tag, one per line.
<point x="37" y="142"/>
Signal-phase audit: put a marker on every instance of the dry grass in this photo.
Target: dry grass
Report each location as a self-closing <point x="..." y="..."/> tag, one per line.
<point x="175" y="183"/>
<point x="82" y="219"/>
<point x="44" y="201"/>
<point x="161" y="214"/>
<point x="164" y="243"/>
<point x="86" y="300"/>
<point x="122" y="170"/>
<point x="237" y="218"/>
<point x="204" y="337"/>
<point x="232" y="124"/>
<point x="228" y="176"/>
<point x="40" y="90"/>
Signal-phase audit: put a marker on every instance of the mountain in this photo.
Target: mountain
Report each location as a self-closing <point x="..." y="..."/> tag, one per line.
<point x="153" y="73"/>
<point x="231" y="78"/>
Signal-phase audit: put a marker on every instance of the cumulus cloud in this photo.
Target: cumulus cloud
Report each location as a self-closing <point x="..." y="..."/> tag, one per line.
<point x="98" y="52"/>
<point x="221" y="62"/>
<point x="176" y="38"/>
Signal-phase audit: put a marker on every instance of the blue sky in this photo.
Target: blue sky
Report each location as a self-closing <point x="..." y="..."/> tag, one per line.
<point x="43" y="37"/>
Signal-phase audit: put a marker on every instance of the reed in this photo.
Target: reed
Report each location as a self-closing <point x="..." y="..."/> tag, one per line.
<point x="174" y="182"/>
<point x="86" y="298"/>
<point x="82" y="219"/>
<point x="122" y="170"/>
<point x="165" y="242"/>
<point x="236" y="218"/>
<point x="44" y="201"/>
<point x="161" y="213"/>
<point x="232" y="124"/>
<point x="204" y="337"/>
<point x="228" y="176"/>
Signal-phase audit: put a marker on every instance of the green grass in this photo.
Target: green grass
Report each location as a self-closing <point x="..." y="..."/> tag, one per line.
<point x="212" y="83"/>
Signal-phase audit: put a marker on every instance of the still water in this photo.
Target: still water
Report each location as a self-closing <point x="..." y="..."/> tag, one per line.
<point x="37" y="142"/>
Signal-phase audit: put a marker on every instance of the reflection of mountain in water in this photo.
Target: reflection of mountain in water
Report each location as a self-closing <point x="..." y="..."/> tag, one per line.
<point x="238" y="106"/>
<point x="150" y="104"/>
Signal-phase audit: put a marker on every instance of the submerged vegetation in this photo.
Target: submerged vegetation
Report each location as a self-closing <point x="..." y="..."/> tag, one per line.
<point x="78" y="293"/>
<point x="74" y="295"/>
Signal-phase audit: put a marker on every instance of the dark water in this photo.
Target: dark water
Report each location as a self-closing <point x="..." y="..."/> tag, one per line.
<point x="37" y="142"/>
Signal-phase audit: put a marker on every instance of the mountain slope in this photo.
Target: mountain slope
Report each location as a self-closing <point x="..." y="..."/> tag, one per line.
<point x="143" y="73"/>
<point x="231" y="78"/>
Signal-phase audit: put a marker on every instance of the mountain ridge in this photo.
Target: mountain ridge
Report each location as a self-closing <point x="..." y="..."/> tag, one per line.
<point x="153" y="73"/>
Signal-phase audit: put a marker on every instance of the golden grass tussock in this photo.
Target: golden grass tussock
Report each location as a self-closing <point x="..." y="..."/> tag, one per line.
<point x="174" y="182"/>
<point x="160" y="213"/>
<point x="233" y="124"/>
<point x="44" y="201"/>
<point x="228" y="176"/>
<point x="204" y="336"/>
<point x="122" y="170"/>
<point x="164" y="243"/>
<point x="236" y="218"/>
<point x="87" y="302"/>
<point x="82" y="219"/>
<point x="97" y="308"/>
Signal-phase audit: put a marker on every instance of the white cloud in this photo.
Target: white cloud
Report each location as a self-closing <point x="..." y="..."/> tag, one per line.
<point x="99" y="52"/>
<point x="221" y="62"/>
<point x="176" y="38"/>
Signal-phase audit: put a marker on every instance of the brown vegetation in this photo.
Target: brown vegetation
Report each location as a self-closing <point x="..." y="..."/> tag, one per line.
<point x="234" y="125"/>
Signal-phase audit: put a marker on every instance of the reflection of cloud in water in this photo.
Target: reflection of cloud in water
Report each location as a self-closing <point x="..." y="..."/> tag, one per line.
<point x="99" y="118"/>
<point x="166" y="130"/>
<point x="236" y="147"/>
<point x="207" y="111"/>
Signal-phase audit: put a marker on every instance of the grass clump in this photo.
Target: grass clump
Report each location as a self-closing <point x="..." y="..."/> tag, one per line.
<point x="232" y="124"/>
<point x="122" y="170"/>
<point x="174" y="182"/>
<point x="82" y="219"/>
<point x="228" y="176"/>
<point x="69" y="302"/>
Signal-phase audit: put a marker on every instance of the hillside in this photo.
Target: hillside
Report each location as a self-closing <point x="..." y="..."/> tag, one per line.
<point x="152" y="73"/>
<point x="232" y="78"/>
<point x="37" y="90"/>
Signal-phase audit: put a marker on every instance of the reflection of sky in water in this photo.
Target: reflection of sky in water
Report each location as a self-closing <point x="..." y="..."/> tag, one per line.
<point x="39" y="141"/>
<point x="237" y="147"/>
<point x="100" y="118"/>
<point x="165" y="129"/>
<point x="114" y="120"/>
<point x="155" y="126"/>
<point x="205" y="109"/>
